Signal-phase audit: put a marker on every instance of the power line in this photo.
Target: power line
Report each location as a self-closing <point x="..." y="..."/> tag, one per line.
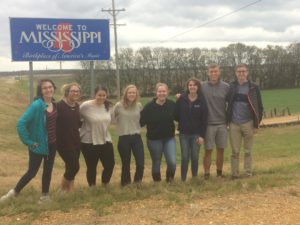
<point x="212" y="21"/>
<point x="114" y="12"/>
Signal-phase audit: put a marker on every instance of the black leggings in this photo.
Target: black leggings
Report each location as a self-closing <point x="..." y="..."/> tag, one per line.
<point x="92" y="154"/>
<point x="71" y="159"/>
<point x="35" y="161"/>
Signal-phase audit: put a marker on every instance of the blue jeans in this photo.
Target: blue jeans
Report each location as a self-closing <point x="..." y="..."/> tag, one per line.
<point x="189" y="150"/>
<point x="166" y="146"/>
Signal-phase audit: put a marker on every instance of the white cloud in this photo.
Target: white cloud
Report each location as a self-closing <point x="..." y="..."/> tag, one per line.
<point x="151" y="22"/>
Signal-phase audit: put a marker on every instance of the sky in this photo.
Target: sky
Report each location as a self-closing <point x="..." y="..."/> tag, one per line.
<point x="165" y="23"/>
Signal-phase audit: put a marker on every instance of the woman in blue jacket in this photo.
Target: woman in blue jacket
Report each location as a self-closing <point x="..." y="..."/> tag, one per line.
<point x="191" y="114"/>
<point x="37" y="129"/>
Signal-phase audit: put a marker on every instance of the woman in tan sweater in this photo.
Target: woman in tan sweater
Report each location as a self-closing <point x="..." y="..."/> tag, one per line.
<point x="126" y="113"/>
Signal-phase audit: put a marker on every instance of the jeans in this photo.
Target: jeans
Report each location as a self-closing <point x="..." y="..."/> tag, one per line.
<point x="35" y="161"/>
<point x="166" y="146"/>
<point x="126" y="144"/>
<point x="189" y="150"/>
<point x="71" y="160"/>
<point x="92" y="154"/>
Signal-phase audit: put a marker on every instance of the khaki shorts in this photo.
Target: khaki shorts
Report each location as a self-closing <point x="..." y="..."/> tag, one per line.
<point x="216" y="135"/>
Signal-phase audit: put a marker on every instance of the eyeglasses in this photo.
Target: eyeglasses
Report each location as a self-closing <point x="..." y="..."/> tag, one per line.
<point x="242" y="71"/>
<point x="47" y="87"/>
<point x="74" y="91"/>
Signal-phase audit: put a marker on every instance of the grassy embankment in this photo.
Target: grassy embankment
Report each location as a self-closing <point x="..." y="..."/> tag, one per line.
<point x="276" y="159"/>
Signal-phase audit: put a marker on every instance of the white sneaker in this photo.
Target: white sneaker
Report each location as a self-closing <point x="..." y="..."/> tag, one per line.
<point x="44" y="199"/>
<point x="12" y="193"/>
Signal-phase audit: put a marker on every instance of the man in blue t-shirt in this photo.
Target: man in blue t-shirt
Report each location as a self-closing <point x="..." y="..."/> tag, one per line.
<point x="244" y="114"/>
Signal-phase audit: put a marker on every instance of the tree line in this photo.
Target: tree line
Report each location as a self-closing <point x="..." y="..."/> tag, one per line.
<point x="270" y="67"/>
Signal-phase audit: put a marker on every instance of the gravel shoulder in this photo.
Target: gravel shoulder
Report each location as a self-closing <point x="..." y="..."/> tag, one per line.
<point x="273" y="206"/>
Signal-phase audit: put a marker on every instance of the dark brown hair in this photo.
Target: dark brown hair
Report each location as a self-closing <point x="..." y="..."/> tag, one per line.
<point x="39" y="87"/>
<point x="107" y="103"/>
<point x="212" y="66"/>
<point x="197" y="82"/>
<point x="241" y="65"/>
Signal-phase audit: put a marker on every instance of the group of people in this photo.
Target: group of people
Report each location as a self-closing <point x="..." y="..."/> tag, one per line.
<point x="203" y="112"/>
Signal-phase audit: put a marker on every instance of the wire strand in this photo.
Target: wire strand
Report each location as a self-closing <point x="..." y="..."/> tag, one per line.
<point x="212" y="21"/>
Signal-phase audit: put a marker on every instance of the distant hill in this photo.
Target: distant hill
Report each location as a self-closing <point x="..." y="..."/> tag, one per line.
<point x="41" y="72"/>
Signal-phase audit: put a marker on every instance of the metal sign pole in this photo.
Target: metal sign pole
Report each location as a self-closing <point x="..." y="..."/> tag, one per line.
<point x="92" y="78"/>
<point x="30" y="82"/>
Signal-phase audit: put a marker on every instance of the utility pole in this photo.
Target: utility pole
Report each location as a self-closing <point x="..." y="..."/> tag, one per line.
<point x="113" y="12"/>
<point x="60" y="67"/>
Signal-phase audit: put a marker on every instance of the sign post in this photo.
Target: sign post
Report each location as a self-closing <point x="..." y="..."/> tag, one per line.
<point x="92" y="78"/>
<point x="30" y="81"/>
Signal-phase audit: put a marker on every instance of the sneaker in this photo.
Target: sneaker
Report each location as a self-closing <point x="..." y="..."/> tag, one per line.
<point x="44" y="199"/>
<point x="12" y="193"/>
<point x="235" y="177"/>
<point x="220" y="176"/>
<point x="206" y="176"/>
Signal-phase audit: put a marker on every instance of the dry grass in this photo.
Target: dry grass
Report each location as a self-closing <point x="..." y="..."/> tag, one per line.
<point x="246" y="201"/>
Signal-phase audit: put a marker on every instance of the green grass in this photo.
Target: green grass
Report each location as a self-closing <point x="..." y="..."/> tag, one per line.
<point x="281" y="99"/>
<point x="99" y="198"/>
<point x="59" y="81"/>
<point x="276" y="163"/>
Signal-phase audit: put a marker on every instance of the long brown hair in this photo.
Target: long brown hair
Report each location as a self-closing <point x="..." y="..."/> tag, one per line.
<point x="39" y="88"/>
<point x="107" y="103"/>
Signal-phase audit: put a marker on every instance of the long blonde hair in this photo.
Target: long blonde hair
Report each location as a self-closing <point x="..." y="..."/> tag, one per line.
<point x="125" y="101"/>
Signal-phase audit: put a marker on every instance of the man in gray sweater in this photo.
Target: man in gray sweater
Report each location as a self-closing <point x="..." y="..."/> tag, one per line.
<point x="215" y="92"/>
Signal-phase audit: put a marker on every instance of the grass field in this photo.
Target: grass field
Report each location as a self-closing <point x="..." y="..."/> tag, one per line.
<point x="273" y="99"/>
<point x="276" y="159"/>
<point x="281" y="99"/>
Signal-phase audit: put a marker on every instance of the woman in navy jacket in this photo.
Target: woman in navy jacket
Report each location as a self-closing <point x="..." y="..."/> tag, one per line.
<point x="191" y="114"/>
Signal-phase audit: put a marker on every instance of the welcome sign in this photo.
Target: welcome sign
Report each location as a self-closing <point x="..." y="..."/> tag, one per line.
<point x="41" y="39"/>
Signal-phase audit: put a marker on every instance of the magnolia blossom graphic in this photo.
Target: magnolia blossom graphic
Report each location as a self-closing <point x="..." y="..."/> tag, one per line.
<point x="62" y="40"/>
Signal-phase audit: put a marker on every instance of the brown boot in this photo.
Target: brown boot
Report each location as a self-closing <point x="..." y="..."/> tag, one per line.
<point x="65" y="184"/>
<point x="71" y="185"/>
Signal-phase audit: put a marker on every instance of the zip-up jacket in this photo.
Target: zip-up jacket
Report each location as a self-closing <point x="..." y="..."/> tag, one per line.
<point x="191" y="116"/>
<point x="31" y="127"/>
<point x="254" y="100"/>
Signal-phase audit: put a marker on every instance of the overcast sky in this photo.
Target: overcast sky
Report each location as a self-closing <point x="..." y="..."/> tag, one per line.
<point x="156" y="22"/>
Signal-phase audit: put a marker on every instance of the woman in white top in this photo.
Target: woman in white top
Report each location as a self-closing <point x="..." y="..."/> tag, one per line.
<point x="96" y="143"/>
<point x="127" y="116"/>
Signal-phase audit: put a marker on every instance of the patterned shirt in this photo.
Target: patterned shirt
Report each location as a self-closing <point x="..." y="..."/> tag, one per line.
<point x="51" y="125"/>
